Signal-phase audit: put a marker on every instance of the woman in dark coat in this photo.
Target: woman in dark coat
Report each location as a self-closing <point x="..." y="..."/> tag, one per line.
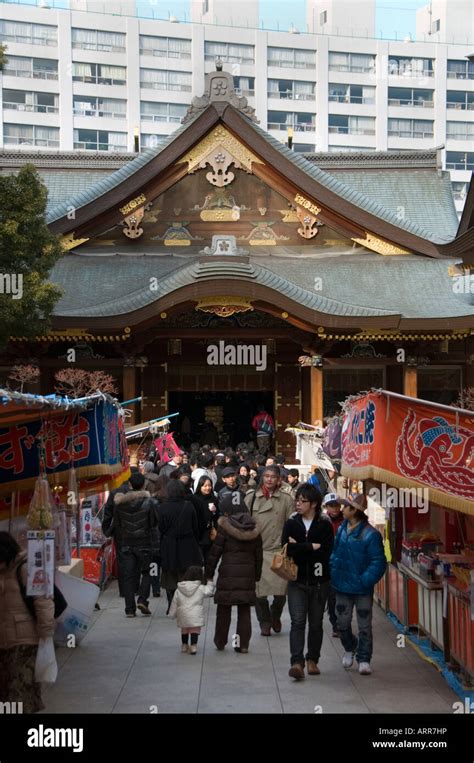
<point x="179" y="531"/>
<point x="206" y="503"/>
<point x="239" y="546"/>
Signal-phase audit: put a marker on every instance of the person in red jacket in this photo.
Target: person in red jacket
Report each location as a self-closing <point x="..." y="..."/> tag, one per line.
<point x="333" y="507"/>
<point x="264" y="426"/>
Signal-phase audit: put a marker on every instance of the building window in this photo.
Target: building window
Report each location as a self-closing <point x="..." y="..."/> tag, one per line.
<point x="408" y="96"/>
<point x="436" y="26"/>
<point x="349" y="149"/>
<point x="281" y="120"/>
<point x="410" y="128"/>
<point x="162" y="79"/>
<point x="229" y="52"/>
<point x="351" y="94"/>
<point x="351" y="62"/>
<point x="96" y="106"/>
<point x="37" y="68"/>
<point x="31" y="135"/>
<point x="93" y="39"/>
<point x="100" y="140"/>
<point x="460" y="69"/>
<point x="99" y="74"/>
<point x="460" y="160"/>
<point x="292" y="89"/>
<point x="410" y="67"/>
<point x="21" y="100"/>
<point x="150" y="111"/>
<point x="292" y="58"/>
<point x="459" y="190"/>
<point x="32" y="34"/>
<point x="460" y="99"/>
<point x="351" y="125"/>
<point x="244" y="85"/>
<point x="323" y="17"/>
<point x="460" y="130"/>
<point x="440" y="385"/>
<point x="167" y="47"/>
<point x="304" y="148"/>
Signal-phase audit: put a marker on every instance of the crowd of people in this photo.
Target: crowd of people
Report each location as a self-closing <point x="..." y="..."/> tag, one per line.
<point x="178" y="524"/>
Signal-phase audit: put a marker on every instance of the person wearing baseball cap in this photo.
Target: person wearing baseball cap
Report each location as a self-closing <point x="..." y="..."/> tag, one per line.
<point x="357" y="564"/>
<point x="333" y="507"/>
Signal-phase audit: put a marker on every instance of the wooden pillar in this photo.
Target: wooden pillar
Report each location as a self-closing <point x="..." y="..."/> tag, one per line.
<point x="410" y="381"/>
<point x="129" y="390"/>
<point x="317" y="391"/>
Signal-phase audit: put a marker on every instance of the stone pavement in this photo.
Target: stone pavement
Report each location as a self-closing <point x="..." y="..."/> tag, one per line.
<point x="131" y="665"/>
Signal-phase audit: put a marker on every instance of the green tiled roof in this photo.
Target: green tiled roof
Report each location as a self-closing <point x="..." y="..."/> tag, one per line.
<point x="362" y="284"/>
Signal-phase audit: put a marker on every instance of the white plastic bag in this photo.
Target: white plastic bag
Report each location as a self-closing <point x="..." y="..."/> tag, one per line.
<point x="46" y="667"/>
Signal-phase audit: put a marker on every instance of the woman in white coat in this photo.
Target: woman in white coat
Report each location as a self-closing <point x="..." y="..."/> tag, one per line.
<point x="188" y="606"/>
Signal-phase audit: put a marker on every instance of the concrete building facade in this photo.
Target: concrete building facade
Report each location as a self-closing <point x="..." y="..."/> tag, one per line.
<point x="78" y="79"/>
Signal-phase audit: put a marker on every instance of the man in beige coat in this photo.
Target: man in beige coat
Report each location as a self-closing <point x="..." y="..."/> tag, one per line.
<point x="271" y="507"/>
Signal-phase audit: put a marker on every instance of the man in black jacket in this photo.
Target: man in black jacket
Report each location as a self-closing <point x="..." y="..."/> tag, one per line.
<point x="310" y="540"/>
<point x="110" y="531"/>
<point x="134" y="518"/>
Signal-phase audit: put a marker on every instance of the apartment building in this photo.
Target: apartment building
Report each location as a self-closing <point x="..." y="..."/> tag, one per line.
<point x="78" y="79"/>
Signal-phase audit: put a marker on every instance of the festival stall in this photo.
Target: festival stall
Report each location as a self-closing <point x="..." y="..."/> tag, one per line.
<point x="415" y="458"/>
<point x="54" y="452"/>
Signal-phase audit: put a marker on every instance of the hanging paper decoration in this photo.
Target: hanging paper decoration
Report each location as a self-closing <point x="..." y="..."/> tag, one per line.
<point x="40" y="516"/>
<point x="40" y="563"/>
<point x="166" y="447"/>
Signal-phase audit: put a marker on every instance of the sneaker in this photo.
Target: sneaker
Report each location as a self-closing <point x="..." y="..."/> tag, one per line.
<point x="193" y="649"/>
<point x="312" y="668"/>
<point x="240" y="650"/>
<point x="184" y="648"/>
<point x="265" y="630"/>
<point x="276" y="625"/>
<point x="130" y="614"/>
<point x="297" y="672"/>
<point x="347" y="660"/>
<point x="365" y="669"/>
<point x="143" y="607"/>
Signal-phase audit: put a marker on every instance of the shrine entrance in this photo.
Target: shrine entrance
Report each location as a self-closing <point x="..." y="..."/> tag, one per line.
<point x="220" y="419"/>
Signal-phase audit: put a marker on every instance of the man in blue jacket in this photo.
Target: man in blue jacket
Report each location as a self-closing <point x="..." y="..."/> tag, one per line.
<point x="357" y="564"/>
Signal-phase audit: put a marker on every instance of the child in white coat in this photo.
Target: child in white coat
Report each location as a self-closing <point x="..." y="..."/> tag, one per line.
<point x="187" y="607"/>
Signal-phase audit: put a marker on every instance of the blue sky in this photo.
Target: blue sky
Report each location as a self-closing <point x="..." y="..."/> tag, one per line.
<point x="395" y="18"/>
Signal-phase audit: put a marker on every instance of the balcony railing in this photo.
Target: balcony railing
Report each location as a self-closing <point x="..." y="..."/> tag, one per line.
<point x="29" y="39"/>
<point x="409" y="134"/>
<point x="100" y="113"/>
<point x="465" y="166"/>
<point x="99" y="80"/>
<point x="459" y="195"/>
<point x="35" y="73"/>
<point x="13" y="140"/>
<point x="410" y="72"/>
<point x="32" y="107"/>
<point x="285" y="94"/>
<point x="165" y="86"/>
<point x="460" y="75"/>
<point x="307" y="127"/>
<point x="88" y="145"/>
<point x="99" y="46"/>
<point x="354" y="69"/>
<point x="351" y="130"/>
<point x="244" y="91"/>
<point x="463" y="106"/>
<point x="164" y="53"/>
<point x="405" y="102"/>
<point x="351" y="99"/>
<point x="460" y="136"/>
<point x="292" y="64"/>
<point x="230" y="59"/>
<point x="159" y="118"/>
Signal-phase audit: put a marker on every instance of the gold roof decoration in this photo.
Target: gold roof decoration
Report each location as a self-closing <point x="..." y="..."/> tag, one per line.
<point x="224" y="307"/>
<point x="380" y="246"/>
<point x="68" y="241"/>
<point x="219" y="149"/>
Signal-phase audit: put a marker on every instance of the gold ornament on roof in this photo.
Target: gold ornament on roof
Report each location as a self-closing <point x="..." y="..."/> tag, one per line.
<point x="219" y="149"/>
<point x="224" y="307"/>
<point x="380" y="246"/>
<point x="68" y="241"/>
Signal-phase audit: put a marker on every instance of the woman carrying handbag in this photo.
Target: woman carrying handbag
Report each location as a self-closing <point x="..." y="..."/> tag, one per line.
<point x="310" y="540"/>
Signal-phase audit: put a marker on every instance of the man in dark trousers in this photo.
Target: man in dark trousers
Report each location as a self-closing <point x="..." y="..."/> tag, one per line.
<point x="134" y="517"/>
<point x="333" y="508"/>
<point x="110" y="531"/>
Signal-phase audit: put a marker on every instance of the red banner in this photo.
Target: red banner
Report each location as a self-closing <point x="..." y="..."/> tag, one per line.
<point x="405" y="443"/>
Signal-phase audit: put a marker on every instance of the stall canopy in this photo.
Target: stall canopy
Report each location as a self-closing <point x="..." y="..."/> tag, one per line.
<point x="406" y="442"/>
<point x="52" y="435"/>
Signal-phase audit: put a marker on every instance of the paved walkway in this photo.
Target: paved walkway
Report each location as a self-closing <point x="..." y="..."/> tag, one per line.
<point x="135" y="666"/>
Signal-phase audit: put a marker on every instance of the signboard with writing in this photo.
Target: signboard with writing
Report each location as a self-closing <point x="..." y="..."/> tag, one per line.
<point x="407" y="443"/>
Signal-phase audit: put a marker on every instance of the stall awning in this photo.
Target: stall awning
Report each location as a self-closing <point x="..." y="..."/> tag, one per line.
<point x="406" y="442"/>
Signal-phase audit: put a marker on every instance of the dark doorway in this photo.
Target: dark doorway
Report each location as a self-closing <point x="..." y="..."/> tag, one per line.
<point x="231" y="413"/>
